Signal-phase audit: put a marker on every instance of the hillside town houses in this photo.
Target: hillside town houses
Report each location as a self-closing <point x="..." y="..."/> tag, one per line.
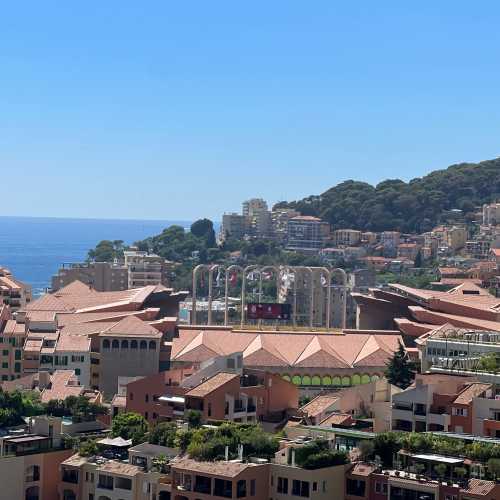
<point x="229" y="406"/>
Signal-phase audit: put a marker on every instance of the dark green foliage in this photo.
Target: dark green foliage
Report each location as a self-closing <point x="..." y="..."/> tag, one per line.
<point x="204" y="228"/>
<point x="193" y="418"/>
<point x="210" y="444"/>
<point x="164" y="434"/>
<point x="317" y="455"/>
<point x="107" y="251"/>
<point x="494" y="467"/>
<point x="17" y="404"/>
<point x="88" y="448"/>
<point x="385" y="446"/>
<point x="77" y="407"/>
<point x="415" y="206"/>
<point x="400" y="370"/>
<point x="130" y="426"/>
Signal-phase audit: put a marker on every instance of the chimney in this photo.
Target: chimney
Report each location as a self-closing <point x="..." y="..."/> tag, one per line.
<point x="293" y="457"/>
<point x="226" y="453"/>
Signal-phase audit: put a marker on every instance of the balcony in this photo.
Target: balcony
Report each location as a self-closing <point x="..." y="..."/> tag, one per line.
<point x="402" y="406"/>
<point x="70" y="476"/>
<point x="420" y="410"/>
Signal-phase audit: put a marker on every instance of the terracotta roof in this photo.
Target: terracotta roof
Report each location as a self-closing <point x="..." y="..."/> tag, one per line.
<point x="319" y="404"/>
<point x="213" y="383"/>
<point x="495" y="251"/>
<point x="470" y="392"/>
<point x="343" y="350"/>
<point x="337" y="419"/>
<point x="13" y="328"/>
<point x="78" y="297"/>
<point x="41" y="315"/>
<point x="119" y="401"/>
<point x="121" y="468"/>
<point x="59" y="388"/>
<point x="479" y="487"/>
<point x="226" y="469"/>
<point x="67" y="342"/>
<point x="131" y="327"/>
<point x="362" y="469"/>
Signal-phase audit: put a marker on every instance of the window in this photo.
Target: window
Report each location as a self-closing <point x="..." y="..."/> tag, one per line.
<point x="252" y="487"/>
<point x="115" y="344"/>
<point x="5" y="365"/>
<point x="133" y="344"/>
<point x="5" y="352"/>
<point x="146" y="415"/>
<point x="223" y="488"/>
<point x="152" y="345"/>
<point x="105" y="344"/>
<point x="131" y="396"/>
<point x="124" y="344"/>
<point x="17" y="354"/>
<point x="355" y="487"/>
<point x="105" y="482"/>
<point x="315" y="486"/>
<point x="282" y="485"/>
<point x="241" y="488"/>
<point x="143" y="344"/>
<point x="78" y="371"/>
<point x="300" y="488"/>
<point x="77" y="359"/>
<point x="460" y="412"/>
<point x="202" y="484"/>
<point x="17" y="367"/>
<point x="209" y="410"/>
<point x="123" y="483"/>
<point x="324" y="487"/>
<point x="32" y="473"/>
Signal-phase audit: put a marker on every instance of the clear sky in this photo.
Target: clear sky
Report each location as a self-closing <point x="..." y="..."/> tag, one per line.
<point x="178" y="110"/>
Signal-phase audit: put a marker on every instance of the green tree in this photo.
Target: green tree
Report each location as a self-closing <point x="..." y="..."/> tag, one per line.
<point x="385" y="446"/>
<point x="204" y="228"/>
<point x="494" y="467"/>
<point x="130" y="426"/>
<point x="400" y="370"/>
<point x="164" y="434"/>
<point x="88" y="447"/>
<point x="193" y="418"/>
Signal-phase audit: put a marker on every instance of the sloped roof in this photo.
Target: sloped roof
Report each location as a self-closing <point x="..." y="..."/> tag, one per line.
<point x="131" y="327"/>
<point x="213" y="383"/>
<point x="345" y="350"/>
<point x="470" y="392"/>
<point x="319" y="404"/>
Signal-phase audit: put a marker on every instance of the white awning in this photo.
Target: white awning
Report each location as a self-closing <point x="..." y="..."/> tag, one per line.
<point x="438" y="458"/>
<point x="172" y="399"/>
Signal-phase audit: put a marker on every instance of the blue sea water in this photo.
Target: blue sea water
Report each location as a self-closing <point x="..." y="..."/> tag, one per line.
<point x="34" y="248"/>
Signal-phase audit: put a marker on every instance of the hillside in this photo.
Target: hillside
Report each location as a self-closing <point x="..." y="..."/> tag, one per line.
<point x="415" y="206"/>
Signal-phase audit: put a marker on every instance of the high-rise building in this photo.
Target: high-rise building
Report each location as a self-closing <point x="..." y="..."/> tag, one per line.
<point x="491" y="214"/>
<point x="306" y="233"/>
<point x="13" y="292"/>
<point x="234" y="226"/>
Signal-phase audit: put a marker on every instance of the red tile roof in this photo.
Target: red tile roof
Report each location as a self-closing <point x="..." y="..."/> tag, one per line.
<point x="213" y="383"/>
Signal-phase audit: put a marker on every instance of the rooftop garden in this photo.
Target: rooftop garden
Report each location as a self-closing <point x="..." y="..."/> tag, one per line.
<point x="385" y="446"/>
<point x="317" y="455"/>
<point x="15" y="405"/>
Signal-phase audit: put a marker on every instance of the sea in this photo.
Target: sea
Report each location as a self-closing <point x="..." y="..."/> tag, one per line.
<point x="34" y="248"/>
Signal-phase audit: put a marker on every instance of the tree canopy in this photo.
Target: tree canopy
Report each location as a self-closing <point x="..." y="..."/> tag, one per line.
<point x="130" y="426"/>
<point x="414" y="206"/>
<point x="400" y="369"/>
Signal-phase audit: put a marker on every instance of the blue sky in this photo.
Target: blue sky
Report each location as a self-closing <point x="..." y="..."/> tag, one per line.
<point x="178" y="110"/>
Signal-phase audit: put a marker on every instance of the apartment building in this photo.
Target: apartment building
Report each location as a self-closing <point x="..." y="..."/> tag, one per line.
<point x="491" y="214"/>
<point x="101" y="276"/>
<point x="146" y="269"/>
<point x="307" y="234"/>
<point x="390" y="238"/>
<point x="346" y="237"/>
<point x="30" y="457"/>
<point x="236" y="395"/>
<point x="119" y="472"/>
<point x="129" y="348"/>
<point x="13" y="293"/>
<point x="279" y="219"/>
<point x="234" y="226"/>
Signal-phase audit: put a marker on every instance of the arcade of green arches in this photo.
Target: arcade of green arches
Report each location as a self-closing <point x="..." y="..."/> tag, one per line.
<point x="330" y="380"/>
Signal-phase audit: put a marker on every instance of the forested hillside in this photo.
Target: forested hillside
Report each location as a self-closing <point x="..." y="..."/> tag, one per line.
<point x="415" y="206"/>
